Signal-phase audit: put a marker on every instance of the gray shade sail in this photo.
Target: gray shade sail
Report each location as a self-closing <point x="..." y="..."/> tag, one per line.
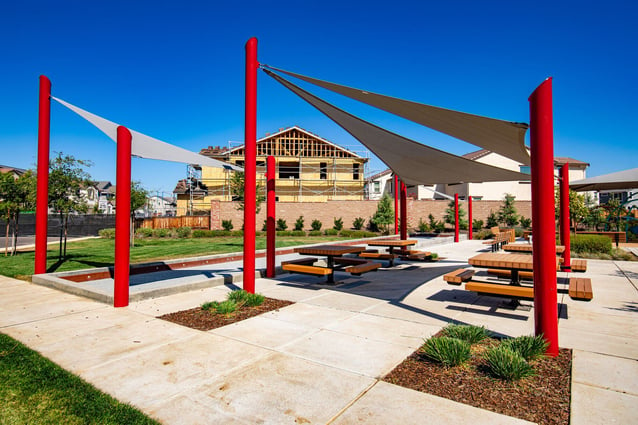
<point x="144" y="146"/>
<point x="413" y="162"/>
<point x="503" y="137"/>
<point x="627" y="179"/>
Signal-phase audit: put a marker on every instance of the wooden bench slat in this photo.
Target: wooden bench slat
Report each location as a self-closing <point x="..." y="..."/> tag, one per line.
<point x="500" y="290"/>
<point x="579" y="265"/>
<point x="378" y="256"/>
<point x="306" y="261"/>
<point x="299" y="268"/>
<point x="508" y="274"/>
<point x="580" y="288"/>
<point x="458" y="276"/>
<point x="363" y="268"/>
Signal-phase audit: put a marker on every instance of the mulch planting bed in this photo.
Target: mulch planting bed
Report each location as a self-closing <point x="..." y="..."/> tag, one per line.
<point x="203" y="320"/>
<point x="542" y="398"/>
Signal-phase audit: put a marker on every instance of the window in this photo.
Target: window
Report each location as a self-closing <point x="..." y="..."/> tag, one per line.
<point x="288" y="170"/>
<point x="525" y="169"/>
<point x="323" y="170"/>
<point x="377" y="187"/>
<point x="355" y="171"/>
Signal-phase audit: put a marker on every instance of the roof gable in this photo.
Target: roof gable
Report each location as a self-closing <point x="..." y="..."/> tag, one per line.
<point x="297" y="142"/>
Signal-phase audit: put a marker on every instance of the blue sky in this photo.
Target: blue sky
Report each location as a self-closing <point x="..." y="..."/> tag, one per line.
<point x="175" y="71"/>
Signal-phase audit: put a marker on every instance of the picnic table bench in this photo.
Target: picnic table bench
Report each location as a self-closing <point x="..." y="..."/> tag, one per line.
<point x="458" y="276"/>
<point x="499" y="240"/>
<point x="580" y="288"/>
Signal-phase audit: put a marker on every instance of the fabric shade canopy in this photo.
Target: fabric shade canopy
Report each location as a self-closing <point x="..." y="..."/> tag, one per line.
<point x="144" y="146"/>
<point x="503" y="137"/>
<point x="414" y="162"/>
<point x="627" y="179"/>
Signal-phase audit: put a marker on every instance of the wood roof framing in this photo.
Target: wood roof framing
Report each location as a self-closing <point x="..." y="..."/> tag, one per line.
<point x="296" y="142"/>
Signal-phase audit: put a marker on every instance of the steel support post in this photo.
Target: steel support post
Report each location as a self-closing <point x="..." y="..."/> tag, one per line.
<point x="122" y="218"/>
<point x="42" y="192"/>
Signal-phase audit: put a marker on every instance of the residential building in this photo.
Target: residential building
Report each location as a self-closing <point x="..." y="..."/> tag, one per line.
<point x="308" y="168"/>
<point x="489" y="191"/>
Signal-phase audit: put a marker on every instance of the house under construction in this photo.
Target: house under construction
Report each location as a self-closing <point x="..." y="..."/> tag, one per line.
<point x="308" y="169"/>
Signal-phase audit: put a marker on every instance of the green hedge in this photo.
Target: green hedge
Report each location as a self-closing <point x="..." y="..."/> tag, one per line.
<point x="590" y="243"/>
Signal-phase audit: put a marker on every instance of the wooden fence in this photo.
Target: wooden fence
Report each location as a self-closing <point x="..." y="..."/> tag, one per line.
<point x="194" y="222"/>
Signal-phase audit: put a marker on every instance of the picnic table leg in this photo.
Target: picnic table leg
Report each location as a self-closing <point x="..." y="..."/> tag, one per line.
<point x="515" y="279"/>
<point x="331" y="265"/>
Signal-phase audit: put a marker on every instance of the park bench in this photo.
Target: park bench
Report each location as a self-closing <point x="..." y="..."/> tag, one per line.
<point x="304" y="266"/>
<point x="580" y="288"/>
<point x="499" y="240"/>
<point x="498" y="290"/>
<point x="458" y="276"/>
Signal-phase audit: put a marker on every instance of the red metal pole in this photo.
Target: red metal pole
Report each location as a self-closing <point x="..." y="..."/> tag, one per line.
<point x="122" y="218"/>
<point x="250" y="165"/>
<point x="270" y="220"/>
<point x="543" y="215"/>
<point x="564" y="217"/>
<point x="404" y="212"/>
<point x="42" y="194"/>
<point x="396" y="204"/>
<point x="456" y="217"/>
<point x="469" y="217"/>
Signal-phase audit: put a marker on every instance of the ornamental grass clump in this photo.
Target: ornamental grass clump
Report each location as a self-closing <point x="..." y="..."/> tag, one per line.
<point x="529" y="347"/>
<point x="471" y="334"/>
<point x="224" y="307"/>
<point x="446" y="350"/>
<point x="242" y="297"/>
<point x="507" y="364"/>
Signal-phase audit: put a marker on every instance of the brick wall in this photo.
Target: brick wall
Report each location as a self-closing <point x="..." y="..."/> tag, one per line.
<point x="326" y="212"/>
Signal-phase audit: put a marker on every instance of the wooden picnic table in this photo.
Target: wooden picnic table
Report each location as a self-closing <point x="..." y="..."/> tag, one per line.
<point x="527" y="248"/>
<point x="513" y="262"/>
<point x="391" y="244"/>
<point x="330" y="252"/>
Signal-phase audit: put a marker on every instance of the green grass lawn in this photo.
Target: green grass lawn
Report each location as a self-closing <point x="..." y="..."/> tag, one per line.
<point x="91" y="253"/>
<point x="34" y="390"/>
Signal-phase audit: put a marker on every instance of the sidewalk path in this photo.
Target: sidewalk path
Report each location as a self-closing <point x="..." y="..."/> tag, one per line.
<point x="318" y="361"/>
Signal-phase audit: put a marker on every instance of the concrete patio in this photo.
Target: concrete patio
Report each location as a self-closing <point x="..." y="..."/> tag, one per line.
<point x="319" y="360"/>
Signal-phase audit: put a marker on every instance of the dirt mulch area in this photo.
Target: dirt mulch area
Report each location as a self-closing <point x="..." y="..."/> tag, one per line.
<point x="203" y="320"/>
<point x="543" y="398"/>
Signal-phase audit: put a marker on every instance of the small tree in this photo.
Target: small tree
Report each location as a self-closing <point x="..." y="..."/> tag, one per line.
<point x="281" y="225"/>
<point x="507" y="212"/>
<point x="67" y="176"/>
<point x="139" y="198"/>
<point x="16" y="195"/>
<point x="299" y="223"/>
<point x="315" y="225"/>
<point x="384" y="216"/>
<point x="492" y="220"/>
<point x="338" y="224"/>
<point x="237" y="186"/>
<point x="449" y="216"/>
<point x="578" y="210"/>
<point x="358" y="223"/>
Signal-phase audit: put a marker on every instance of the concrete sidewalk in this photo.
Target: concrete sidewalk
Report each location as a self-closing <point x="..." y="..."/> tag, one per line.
<point x="319" y="360"/>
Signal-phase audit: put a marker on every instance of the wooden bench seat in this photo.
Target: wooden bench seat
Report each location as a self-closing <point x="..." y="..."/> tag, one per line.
<point x="349" y="261"/>
<point x="358" y="269"/>
<point x="304" y="269"/>
<point x="458" y="276"/>
<point x="495" y="289"/>
<point x="378" y="256"/>
<point x="423" y="256"/>
<point x="580" y="288"/>
<point x="507" y="274"/>
<point x="579" y="265"/>
<point x="306" y="261"/>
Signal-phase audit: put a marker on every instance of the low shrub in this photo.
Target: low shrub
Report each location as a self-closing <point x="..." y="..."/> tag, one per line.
<point x="337" y="224"/>
<point x="477" y="224"/>
<point x="590" y="243"/>
<point x="200" y="233"/>
<point x="299" y="223"/>
<point x="216" y="233"/>
<point x="284" y="233"/>
<point x="281" y="224"/>
<point x="518" y="232"/>
<point x="238" y="233"/>
<point x="227" y="224"/>
<point x="529" y="347"/>
<point x="224" y="307"/>
<point x="184" y="232"/>
<point x="314" y="233"/>
<point x="346" y="233"/>
<point x="483" y="234"/>
<point x="447" y="351"/>
<point x="469" y="333"/>
<point x="298" y="233"/>
<point x="526" y="223"/>
<point x="506" y="364"/>
<point x="358" y="223"/>
<point x="423" y="226"/>
<point x="107" y="233"/>
<point x="331" y="232"/>
<point x="162" y="233"/>
<point x="144" y="232"/>
<point x="315" y="225"/>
